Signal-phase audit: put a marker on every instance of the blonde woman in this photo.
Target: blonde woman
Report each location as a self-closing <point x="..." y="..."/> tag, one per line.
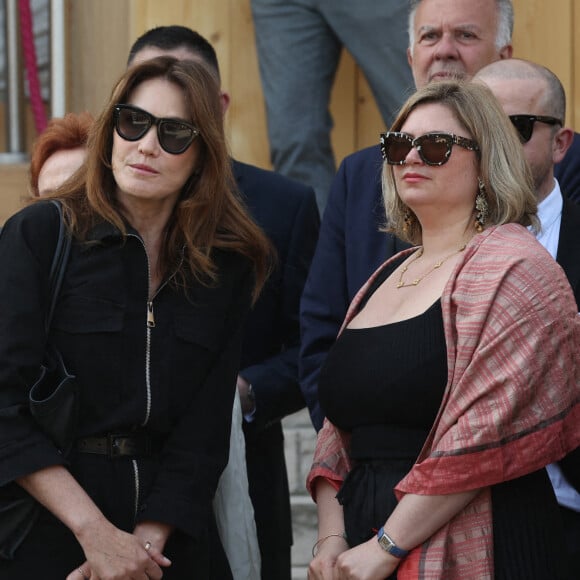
<point x="455" y="379"/>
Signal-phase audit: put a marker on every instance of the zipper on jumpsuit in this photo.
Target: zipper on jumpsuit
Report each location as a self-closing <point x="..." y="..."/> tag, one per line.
<point x="150" y="323"/>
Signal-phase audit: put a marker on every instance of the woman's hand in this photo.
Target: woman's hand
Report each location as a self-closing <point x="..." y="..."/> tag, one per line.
<point x="322" y="567"/>
<point x="110" y="553"/>
<point x="365" y="562"/>
<point x="153" y="536"/>
<point x="114" y="555"/>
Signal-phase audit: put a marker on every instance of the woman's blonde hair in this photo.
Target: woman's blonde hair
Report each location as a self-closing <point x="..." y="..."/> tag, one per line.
<point x="502" y="166"/>
<point x="209" y="212"/>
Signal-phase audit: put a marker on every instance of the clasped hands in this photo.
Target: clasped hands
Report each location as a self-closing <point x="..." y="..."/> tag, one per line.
<point x="113" y="554"/>
<point x="335" y="561"/>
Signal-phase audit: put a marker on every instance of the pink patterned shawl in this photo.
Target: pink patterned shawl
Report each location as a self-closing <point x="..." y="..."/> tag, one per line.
<point x="512" y="400"/>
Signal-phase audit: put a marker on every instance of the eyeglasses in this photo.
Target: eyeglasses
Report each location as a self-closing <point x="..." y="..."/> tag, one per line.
<point x="132" y="123"/>
<point x="524" y="124"/>
<point x="433" y="148"/>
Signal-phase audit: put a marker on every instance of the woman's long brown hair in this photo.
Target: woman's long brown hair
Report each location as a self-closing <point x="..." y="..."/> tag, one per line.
<point x="209" y="212"/>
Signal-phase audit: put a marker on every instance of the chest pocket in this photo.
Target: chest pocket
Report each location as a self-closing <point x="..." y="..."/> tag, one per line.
<point x="200" y="327"/>
<point x="84" y="315"/>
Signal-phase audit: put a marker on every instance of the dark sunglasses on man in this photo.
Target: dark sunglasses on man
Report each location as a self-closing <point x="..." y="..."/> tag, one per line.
<point x="174" y="135"/>
<point x="433" y="148"/>
<point x="524" y="124"/>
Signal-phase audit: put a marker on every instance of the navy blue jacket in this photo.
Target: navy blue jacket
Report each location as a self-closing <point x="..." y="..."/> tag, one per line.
<point x="287" y="212"/>
<point x="568" y="171"/>
<point x="568" y="257"/>
<point x="351" y="247"/>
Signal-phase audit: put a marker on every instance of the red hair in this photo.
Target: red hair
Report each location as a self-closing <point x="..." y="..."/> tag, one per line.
<point x="68" y="132"/>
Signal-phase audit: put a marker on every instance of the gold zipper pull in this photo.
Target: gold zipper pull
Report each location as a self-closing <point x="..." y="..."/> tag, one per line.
<point x="150" y="317"/>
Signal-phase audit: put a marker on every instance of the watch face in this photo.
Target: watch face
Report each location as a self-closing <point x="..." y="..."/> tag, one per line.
<point x="389" y="546"/>
<point x="385" y="543"/>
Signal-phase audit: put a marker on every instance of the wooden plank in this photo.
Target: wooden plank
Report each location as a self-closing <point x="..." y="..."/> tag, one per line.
<point x="97" y="52"/>
<point x="544" y="33"/>
<point x="343" y="108"/>
<point x="145" y="14"/>
<point x="247" y="117"/>
<point x="213" y="20"/>
<point x="14" y="189"/>
<point x="369" y="120"/>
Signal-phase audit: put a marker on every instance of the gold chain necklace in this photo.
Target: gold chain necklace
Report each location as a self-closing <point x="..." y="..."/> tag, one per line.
<point x="437" y="265"/>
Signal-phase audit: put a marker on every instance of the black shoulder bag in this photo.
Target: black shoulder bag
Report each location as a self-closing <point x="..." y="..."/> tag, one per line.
<point x="53" y="404"/>
<point x="52" y="398"/>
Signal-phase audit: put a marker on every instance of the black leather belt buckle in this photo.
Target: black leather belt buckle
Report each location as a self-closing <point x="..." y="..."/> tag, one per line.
<point x="121" y="445"/>
<point x="118" y="445"/>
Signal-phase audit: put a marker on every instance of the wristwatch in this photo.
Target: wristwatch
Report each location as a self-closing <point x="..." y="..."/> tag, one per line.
<point x="387" y="544"/>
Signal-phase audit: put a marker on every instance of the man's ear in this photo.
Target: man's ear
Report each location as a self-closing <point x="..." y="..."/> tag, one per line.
<point x="225" y="100"/>
<point x="410" y="58"/>
<point x="506" y="52"/>
<point x="561" y="143"/>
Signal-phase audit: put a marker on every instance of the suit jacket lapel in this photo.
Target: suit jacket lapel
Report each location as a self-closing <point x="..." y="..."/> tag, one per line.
<point x="568" y="255"/>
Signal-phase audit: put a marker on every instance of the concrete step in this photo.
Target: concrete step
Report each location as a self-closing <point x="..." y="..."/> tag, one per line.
<point x="304" y="527"/>
<point x="300" y="441"/>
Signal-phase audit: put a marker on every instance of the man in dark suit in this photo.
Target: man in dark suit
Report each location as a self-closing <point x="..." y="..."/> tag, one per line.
<point x="534" y="98"/>
<point x="268" y="377"/>
<point x="446" y="39"/>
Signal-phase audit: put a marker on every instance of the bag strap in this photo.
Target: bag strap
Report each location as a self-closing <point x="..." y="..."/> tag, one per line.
<point x="59" y="262"/>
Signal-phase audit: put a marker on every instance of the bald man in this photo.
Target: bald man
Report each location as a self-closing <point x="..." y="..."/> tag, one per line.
<point x="534" y="99"/>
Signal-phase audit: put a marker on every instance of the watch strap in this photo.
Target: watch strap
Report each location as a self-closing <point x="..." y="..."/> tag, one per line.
<point x="388" y="545"/>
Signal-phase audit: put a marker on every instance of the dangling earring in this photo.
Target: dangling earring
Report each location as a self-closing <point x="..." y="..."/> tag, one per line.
<point x="408" y="221"/>
<point x="481" y="206"/>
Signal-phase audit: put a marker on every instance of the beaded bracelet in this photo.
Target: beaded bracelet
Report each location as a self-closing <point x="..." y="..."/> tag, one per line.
<point x="321" y="540"/>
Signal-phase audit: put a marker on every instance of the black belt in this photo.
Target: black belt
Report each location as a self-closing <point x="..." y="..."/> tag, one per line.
<point x="120" y="445"/>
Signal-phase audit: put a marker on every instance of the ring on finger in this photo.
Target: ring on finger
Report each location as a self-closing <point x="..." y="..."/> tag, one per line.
<point x="147" y="546"/>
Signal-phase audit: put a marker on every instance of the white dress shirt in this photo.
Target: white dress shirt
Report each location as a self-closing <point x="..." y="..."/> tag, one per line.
<point x="550" y="216"/>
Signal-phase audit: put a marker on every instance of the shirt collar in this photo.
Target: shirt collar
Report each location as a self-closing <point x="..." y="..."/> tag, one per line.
<point x="550" y="208"/>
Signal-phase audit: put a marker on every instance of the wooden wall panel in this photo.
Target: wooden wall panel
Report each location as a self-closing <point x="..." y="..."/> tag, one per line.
<point x="97" y="52"/>
<point x="247" y="117"/>
<point x="343" y="102"/>
<point x="13" y="189"/>
<point x="368" y="118"/>
<point x="544" y="33"/>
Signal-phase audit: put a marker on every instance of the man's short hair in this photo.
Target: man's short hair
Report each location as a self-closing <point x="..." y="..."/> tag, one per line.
<point x="174" y="37"/>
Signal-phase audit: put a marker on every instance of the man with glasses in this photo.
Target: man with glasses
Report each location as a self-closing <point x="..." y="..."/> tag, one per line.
<point x="447" y="39"/>
<point x="535" y="101"/>
<point x="268" y="378"/>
